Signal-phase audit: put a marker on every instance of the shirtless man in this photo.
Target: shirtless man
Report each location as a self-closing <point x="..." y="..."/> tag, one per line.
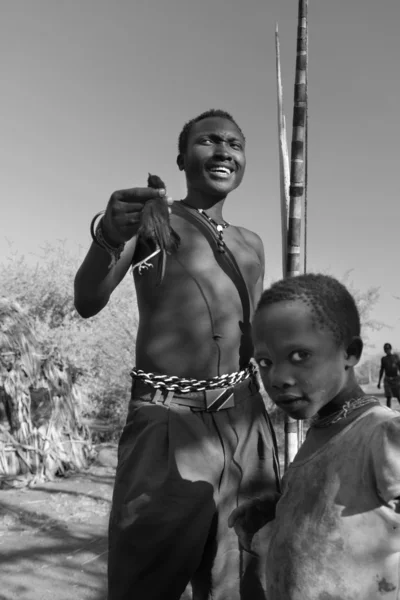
<point x="186" y="460"/>
<point x="390" y="366"/>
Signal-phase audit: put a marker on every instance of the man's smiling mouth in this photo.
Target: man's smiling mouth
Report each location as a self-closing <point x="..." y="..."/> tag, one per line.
<point x="222" y="171"/>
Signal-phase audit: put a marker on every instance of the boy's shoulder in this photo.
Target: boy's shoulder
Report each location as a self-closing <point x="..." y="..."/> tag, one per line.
<point x="380" y="421"/>
<point x="380" y="414"/>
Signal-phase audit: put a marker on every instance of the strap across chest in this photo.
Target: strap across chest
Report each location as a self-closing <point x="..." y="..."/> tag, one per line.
<point x="222" y="254"/>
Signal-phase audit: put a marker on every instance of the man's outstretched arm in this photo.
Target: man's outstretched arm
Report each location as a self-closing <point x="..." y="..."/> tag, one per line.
<point x="95" y="280"/>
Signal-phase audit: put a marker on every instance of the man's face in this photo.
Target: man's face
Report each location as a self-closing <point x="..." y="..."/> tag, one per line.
<point x="214" y="161"/>
<point x="387" y="349"/>
<point x="301" y="365"/>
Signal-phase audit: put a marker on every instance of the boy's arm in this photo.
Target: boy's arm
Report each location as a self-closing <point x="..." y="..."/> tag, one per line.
<point x="385" y="447"/>
<point x="251" y="516"/>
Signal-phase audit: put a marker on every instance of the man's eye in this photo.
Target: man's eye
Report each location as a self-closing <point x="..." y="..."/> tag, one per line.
<point x="264" y="363"/>
<point x="300" y="356"/>
<point x="236" y="145"/>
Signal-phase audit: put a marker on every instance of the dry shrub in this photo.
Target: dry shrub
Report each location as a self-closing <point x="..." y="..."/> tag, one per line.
<point x="38" y="444"/>
<point x="100" y="350"/>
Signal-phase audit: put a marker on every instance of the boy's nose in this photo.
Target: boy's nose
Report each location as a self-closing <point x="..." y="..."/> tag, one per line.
<point x="281" y="378"/>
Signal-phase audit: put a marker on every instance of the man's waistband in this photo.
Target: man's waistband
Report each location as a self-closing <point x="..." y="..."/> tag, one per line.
<point x="210" y="400"/>
<point x="185" y="385"/>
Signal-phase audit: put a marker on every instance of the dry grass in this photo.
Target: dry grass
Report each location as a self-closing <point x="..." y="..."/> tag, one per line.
<point x="45" y="438"/>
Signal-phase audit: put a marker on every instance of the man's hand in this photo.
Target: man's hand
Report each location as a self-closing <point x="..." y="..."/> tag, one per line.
<point x="251" y="516"/>
<point x="379" y="386"/>
<point x="122" y="217"/>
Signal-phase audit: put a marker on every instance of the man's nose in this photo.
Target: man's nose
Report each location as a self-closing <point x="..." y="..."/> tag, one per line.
<point x="223" y="151"/>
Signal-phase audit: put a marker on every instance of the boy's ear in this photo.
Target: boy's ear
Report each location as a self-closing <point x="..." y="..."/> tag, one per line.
<point x="180" y="162"/>
<point x="354" y="351"/>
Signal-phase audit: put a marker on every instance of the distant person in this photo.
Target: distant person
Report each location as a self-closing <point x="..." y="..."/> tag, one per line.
<point x="335" y="530"/>
<point x="197" y="439"/>
<point x="390" y="367"/>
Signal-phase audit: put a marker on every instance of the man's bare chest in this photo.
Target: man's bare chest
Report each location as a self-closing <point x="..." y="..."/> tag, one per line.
<point x="201" y="257"/>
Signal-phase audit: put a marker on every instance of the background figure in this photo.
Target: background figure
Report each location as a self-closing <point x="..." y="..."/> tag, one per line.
<point x="390" y="367"/>
<point x="197" y="440"/>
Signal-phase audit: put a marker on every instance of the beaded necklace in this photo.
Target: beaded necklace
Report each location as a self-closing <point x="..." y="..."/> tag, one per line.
<point x="347" y="408"/>
<point x="220" y="227"/>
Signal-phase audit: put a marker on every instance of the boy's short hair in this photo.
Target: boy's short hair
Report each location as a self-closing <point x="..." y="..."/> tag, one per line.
<point x="331" y="302"/>
<point x="212" y="112"/>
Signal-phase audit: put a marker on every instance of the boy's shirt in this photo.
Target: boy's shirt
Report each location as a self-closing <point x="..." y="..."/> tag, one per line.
<point x="336" y="535"/>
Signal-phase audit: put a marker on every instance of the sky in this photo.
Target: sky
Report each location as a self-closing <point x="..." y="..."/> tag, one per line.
<point x="95" y="93"/>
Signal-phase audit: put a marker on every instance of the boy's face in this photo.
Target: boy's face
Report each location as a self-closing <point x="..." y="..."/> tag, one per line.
<point x="214" y="161"/>
<point x="301" y="365"/>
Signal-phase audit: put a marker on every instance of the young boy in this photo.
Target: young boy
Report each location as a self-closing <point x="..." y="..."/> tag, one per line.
<point x="335" y="533"/>
<point x="390" y="366"/>
<point x="197" y="439"/>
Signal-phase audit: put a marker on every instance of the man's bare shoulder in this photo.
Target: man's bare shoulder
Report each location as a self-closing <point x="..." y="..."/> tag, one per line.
<point x="253" y="239"/>
<point x="250" y="236"/>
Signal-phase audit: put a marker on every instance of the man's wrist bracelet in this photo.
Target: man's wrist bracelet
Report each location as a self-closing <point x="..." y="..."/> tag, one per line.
<point x="98" y="238"/>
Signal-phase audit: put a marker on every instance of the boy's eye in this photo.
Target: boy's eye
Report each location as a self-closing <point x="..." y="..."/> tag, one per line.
<point x="264" y="363"/>
<point x="300" y="356"/>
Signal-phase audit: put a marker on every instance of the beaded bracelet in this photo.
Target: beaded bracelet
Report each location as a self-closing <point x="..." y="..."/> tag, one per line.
<point x="98" y="238"/>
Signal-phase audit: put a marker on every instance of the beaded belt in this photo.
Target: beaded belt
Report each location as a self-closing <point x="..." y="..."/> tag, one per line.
<point x="209" y="395"/>
<point x="180" y="385"/>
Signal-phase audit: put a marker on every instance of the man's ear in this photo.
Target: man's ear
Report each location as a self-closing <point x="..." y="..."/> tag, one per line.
<point x="180" y="162"/>
<point x="354" y="351"/>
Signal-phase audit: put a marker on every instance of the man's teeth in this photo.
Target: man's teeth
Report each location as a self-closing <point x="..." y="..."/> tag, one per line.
<point x="220" y="170"/>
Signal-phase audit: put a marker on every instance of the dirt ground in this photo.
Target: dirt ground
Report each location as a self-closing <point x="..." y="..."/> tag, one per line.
<point x="53" y="537"/>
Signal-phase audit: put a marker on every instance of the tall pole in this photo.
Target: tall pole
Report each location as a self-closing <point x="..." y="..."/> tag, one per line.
<point x="297" y="188"/>
<point x="297" y="161"/>
<point x="284" y="168"/>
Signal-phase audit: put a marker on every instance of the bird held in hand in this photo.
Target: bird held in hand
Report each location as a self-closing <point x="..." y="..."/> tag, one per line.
<point x="155" y="226"/>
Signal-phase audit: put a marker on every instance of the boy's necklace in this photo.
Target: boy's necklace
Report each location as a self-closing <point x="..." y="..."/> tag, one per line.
<point x="347" y="408"/>
<point x="220" y="227"/>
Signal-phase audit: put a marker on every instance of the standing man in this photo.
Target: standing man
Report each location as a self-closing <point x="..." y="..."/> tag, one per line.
<point x="197" y="440"/>
<point x="390" y="366"/>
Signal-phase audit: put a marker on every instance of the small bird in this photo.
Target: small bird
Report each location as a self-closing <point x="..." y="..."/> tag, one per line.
<point x="155" y="226"/>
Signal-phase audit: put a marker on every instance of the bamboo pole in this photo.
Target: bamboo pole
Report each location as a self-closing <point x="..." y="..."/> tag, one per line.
<point x="297" y="162"/>
<point x="291" y="429"/>
<point x="297" y="188"/>
<point x="283" y="156"/>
